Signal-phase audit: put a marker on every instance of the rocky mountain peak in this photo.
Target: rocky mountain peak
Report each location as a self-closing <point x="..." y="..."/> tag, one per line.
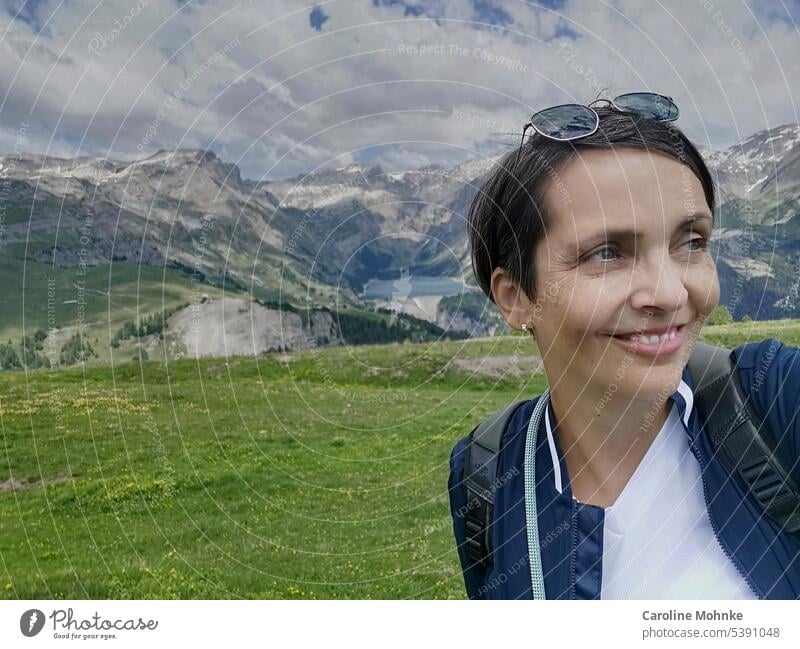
<point x="772" y="142"/>
<point x="748" y="168"/>
<point x="182" y="156"/>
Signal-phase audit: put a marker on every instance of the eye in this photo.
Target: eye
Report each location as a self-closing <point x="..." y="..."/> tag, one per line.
<point x="701" y="243"/>
<point x="592" y="256"/>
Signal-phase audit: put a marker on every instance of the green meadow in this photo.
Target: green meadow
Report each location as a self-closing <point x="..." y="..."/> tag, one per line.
<point x="317" y="474"/>
<point x="103" y="298"/>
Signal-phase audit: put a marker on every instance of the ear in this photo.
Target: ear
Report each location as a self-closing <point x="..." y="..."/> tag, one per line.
<point x="511" y="301"/>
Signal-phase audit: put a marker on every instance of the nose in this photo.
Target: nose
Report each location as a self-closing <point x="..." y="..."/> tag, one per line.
<point x="658" y="284"/>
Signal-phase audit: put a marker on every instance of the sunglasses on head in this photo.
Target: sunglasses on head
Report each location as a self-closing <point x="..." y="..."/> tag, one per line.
<point x="573" y="121"/>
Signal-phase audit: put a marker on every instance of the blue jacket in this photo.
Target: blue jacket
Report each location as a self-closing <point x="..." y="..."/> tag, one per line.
<point x="571" y="533"/>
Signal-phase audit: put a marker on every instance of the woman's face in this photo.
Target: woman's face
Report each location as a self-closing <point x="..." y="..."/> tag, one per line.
<point x="619" y="258"/>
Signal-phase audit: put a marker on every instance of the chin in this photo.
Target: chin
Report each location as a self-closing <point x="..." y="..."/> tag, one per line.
<point x="661" y="380"/>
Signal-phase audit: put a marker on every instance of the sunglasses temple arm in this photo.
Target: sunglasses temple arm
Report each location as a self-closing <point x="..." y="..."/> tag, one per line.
<point x="522" y="140"/>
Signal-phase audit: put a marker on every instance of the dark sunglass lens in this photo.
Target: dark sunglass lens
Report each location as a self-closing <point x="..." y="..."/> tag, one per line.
<point x="648" y="103"/>
<point x="565" y="122"/>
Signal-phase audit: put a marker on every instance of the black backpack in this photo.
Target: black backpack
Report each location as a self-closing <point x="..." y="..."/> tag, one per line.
<point x="739" y="439"/>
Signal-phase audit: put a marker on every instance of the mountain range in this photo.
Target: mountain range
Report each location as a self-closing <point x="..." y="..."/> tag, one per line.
<point x="317" y="239"/>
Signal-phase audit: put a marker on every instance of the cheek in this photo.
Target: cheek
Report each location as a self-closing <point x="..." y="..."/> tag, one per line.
<point x="597" y="298"/>
<point x="582" y="304"/>
<point x="703" y="288"/>
<point x="581" y="317"/>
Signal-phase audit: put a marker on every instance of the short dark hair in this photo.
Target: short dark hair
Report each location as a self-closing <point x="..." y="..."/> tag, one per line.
<point x="509" y="214"/>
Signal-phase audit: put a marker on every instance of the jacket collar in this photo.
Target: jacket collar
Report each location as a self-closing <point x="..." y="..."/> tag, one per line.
<point x="683" y="398"/>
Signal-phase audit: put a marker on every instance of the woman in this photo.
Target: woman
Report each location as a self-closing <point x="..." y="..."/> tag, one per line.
<point x="593" y="236"/>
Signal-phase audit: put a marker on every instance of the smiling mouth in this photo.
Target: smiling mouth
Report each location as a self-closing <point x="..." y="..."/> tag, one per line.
<point x="664" y="334"/>
<point x="666" y="341"/>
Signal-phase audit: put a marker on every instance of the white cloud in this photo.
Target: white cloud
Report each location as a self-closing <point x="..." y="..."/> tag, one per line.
<point x="256" y="80"/>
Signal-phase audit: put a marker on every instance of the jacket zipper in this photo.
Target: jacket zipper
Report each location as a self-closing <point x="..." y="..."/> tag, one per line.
<point x="732" y="559"/>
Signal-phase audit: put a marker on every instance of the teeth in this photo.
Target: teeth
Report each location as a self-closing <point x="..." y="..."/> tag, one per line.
<point x="653" y="340"/>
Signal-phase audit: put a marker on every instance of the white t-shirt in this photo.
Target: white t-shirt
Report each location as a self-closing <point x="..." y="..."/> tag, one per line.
<point x="657" y="540"/>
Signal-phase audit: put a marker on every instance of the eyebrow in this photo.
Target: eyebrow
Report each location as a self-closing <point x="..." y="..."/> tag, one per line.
<point x="628" y="235"/>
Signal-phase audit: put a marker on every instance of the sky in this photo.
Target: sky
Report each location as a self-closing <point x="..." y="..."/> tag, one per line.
<point x="284" y="87"/>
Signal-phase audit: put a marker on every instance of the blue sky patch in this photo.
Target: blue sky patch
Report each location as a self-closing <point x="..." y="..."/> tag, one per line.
<point x="27" y="13"/>
<point x="564" y="31"/>
<point x="317" y="18"/>
<point x="487" y="11"/>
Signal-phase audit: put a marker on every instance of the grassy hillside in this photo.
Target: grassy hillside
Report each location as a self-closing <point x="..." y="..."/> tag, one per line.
<point x="40" y="296"/>
<point x="104" y="298"/>
<point x="313" y="475"/>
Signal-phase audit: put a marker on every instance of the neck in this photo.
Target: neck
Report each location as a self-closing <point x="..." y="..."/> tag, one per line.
<point x="604" y="438"/>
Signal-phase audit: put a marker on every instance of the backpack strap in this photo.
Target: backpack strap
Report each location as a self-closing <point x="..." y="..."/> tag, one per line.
<point x="740" y="439"/>
<point x="480" y="482"/>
